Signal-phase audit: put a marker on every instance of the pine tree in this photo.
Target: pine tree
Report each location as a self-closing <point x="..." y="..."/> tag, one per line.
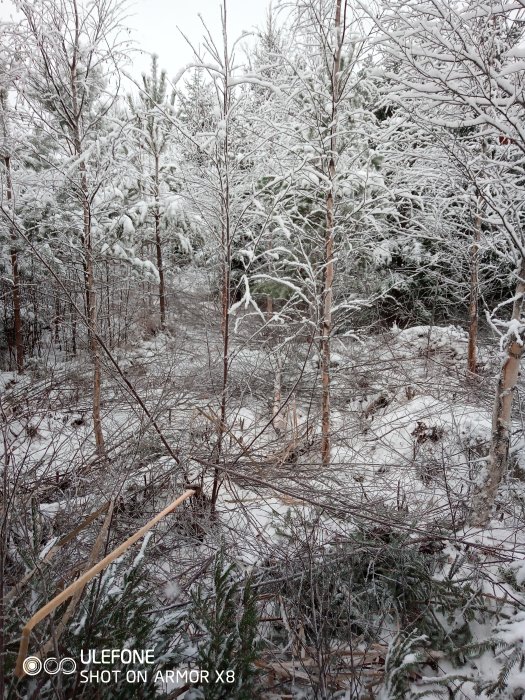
<point x="152" y="115"/>
<point x="228" y="617"/>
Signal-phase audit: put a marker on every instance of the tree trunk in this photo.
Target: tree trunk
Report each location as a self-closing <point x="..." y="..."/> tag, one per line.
<point x="326" y="331"/>
<point x="91" y="302"/>
<point x="56" y="322"/>
<point x="326" y="325"/>
<point x="472" y="354"/>
<point x="278" y="420"/>
<point x="17" y="313"/>
<point x="87" y="244"/>
<point x="73" y="334"/>
<point x="483" y="500"/>
<point x="4" y="523"/>
<point x="17" y="307"/>
<point x="158" y="246"/>
<point x="108" y="307"/>
<point x="224" y="179"/>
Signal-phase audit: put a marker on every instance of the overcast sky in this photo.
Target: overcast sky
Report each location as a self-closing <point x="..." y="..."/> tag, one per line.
<point x="154" y="26"/>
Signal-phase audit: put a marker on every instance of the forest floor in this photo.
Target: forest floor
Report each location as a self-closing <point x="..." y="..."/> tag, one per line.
<point x="410" y="431"/>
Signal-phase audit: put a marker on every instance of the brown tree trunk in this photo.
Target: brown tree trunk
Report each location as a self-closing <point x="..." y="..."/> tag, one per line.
<point x="3" y="617"/>
<point x="158" y="246"/>
<point x="224" y="179"/>
<point x="4" y="523"/>
<point x="472" y="354"/>
<point x="225" y="330"/>
<point x="91" y="302"/>
<point x="56" y="322"/>
<point x="73" y="335"/>
<point x="17" y="313"/>
<point x="17" y="307"/>
<point x="483" y="500"/>
<point x="326" y="331"/>
<point x="87" y="244"/>
<point x="278" y="418"/>
<point x="108" y="307"/>
<point x="326" y="325"/>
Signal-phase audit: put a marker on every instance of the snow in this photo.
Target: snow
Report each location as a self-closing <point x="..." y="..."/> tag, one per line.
<point x="420" y="151"/>
<point x="127" y="226"/>
<point x="513" y="631"/>
<point x="52" y="509"/>
<point x="428" y="339"/>
<point x="172" y="590"/>
<point x="7" y="379"/>
<point x="517" y="51"/>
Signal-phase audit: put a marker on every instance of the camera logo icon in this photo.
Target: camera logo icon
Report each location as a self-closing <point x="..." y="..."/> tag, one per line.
<point x="68" y="666"/>
<point x="33" y="665"/>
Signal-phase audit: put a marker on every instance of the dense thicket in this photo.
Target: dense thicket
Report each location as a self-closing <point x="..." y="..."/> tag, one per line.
<point x="291" y="277"/>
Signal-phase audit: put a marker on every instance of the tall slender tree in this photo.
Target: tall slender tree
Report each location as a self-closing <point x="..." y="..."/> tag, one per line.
<point x="340" y="28"/>
<point x="153" y="126"/>
<point x="5" y="153"/>
<point x="71" y="45"/>
<point x="462" y="69"/>
<point x="327" y="152"/>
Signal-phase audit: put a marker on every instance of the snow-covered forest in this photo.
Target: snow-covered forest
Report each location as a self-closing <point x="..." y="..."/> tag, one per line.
<point x="272" y="300"/>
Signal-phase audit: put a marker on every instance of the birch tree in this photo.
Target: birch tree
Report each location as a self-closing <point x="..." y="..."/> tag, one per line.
<point x="215" y="183"/>
<point x="328" y="96"/>
<point x="71" y="47"/>
<point x="462" y="67"/>
<point x="326" y="328"/>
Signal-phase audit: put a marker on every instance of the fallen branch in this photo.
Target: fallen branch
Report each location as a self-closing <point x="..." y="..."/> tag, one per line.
<point x="16" y="590"/>
<point x="85" y="578"/>
<point x="50" y="644"/>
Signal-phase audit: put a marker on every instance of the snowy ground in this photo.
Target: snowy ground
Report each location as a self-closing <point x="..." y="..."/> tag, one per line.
<point x="410" y="432"/>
